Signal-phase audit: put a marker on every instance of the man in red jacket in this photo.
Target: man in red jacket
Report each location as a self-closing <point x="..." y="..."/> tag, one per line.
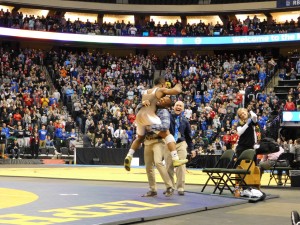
<point x="234" y="137"/>
<point x="227" y="140"/>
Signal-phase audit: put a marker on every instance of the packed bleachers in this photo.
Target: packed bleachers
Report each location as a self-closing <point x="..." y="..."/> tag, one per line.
<point x="102" y="91"/>
<point x="249" y="26"/>
<point x="98" y="93"/>
<point x="30" y="107"/>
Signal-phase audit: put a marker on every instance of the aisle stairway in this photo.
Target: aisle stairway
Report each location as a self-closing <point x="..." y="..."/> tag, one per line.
<point x="288" y="130"/>
<point x="284" y="86"/>
<point x="79" y="142"/>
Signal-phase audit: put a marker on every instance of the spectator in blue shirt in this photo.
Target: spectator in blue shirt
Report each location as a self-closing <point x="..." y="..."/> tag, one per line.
<point x="129" y="132"/>
<point x="203" y="125"/>
<point x="58" y="133"/>
<point x="198" y="98"/>
<point x="14" y="86"/>
<point x="185" y="72"/>
<point x="109" y="143"/>
<point x="265" y="117"/>
<point x="5" y="130"/>
<point x="49" y="142"/>
<point x="52" y="100"/>
<point x="207" y="98"/>
<point x="43" y="136"/>
<point x="235" y="120"/>
<point x="262" y="75"/>
<point x="261" y="122"/>
<point x="69" y="93"/>
<point x="262" y="97"/>
<point x="64" y="134"/>
<point x="209" y="133"/>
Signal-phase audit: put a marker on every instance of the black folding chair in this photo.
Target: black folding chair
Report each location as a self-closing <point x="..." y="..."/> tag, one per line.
<point x="236" y="175"/>
<point x="282" y="166"/>
<point x="214" y="174"/>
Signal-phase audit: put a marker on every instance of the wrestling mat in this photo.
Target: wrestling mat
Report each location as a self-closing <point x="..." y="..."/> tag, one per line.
<point x="94" y="195"/>
<point x="29" y="201"/>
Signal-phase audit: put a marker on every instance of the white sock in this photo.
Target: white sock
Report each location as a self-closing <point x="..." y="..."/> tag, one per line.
<point x="131" y="152"/>
<point x="174" y="155"/>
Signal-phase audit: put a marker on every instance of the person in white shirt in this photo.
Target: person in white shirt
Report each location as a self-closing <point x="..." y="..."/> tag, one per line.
<point x="56" y="94"/>
<point x="260" y="59"/>
<point x="132" y="30"/>
<point x="130" y="94"/>
<point x="113" y="65"/>
<point x="124" y="139"/>
<point x="141" y="88"/>
<point x="111" y="128"/>
<point x="188" y="112"/>
<point x="117" y="135"/>
<point x="226" y="65"/>
<point x="114" y="108"/>
<point x="246" y="130"/>
<point x="192" y="69"/>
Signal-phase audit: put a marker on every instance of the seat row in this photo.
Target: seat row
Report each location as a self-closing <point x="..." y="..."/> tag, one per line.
<point x="230" y="172"/>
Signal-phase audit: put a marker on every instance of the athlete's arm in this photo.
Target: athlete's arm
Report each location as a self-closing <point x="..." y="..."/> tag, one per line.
<point x="161" y="92"/>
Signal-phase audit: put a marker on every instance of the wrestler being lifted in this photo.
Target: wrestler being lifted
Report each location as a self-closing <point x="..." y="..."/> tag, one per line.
<point x="146" y="116"/>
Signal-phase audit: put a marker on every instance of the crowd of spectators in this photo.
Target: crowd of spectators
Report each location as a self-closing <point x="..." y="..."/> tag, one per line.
<point x="103" y="90"/>
<point x="30" y="113"/>
<point x="213" y="87"/>
<point x="249" y="26"/>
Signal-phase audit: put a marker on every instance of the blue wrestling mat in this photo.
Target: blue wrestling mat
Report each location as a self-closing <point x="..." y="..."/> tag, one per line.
<point x="74" y="202"/>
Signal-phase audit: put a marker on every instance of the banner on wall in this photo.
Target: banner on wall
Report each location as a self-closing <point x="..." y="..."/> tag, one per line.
<point x="175" y="41"/>
<point x="291" y="116"/>
<point x="287" y="3"/>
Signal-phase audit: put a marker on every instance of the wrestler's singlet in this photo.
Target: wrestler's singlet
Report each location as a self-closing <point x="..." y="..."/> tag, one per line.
<point x="146" y="115"/>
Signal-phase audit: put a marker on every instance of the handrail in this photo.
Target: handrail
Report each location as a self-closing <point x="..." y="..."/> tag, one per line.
<point x="273" y="82"/>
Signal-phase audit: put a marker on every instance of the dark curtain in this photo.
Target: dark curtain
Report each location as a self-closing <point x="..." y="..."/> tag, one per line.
<point x="105" y="156"/>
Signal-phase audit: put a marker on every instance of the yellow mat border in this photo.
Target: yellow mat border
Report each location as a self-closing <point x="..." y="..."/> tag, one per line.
<point x="105" y="173"/>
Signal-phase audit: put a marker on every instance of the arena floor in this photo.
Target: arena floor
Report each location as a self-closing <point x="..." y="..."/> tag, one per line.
<point x="110" y="195"/>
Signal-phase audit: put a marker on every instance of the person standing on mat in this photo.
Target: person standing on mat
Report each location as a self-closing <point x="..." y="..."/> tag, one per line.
<point x="246" y="130"/>
<point x="146" y="116"/>
<point x="154" y="151"/>
<point x="181" y="130"/>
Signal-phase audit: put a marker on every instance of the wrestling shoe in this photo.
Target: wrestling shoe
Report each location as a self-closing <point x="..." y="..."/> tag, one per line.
<point x="295" y="218"/>
<point x="179" y="162"/>
<point x="150" y="194"/>
<point x="169" y="192"/>
<point x="181" y="193"/>
<point x="127" y="162"/>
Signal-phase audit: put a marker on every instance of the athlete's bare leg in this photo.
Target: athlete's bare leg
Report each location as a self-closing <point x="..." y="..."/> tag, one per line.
<point x="134" y="147"/>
